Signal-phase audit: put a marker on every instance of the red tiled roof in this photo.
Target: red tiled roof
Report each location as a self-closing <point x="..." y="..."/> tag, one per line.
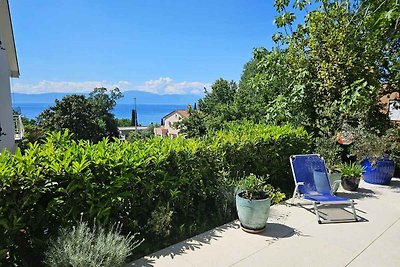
<point x="181" y="112"/>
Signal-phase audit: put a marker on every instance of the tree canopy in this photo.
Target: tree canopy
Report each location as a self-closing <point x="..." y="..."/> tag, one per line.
<point x="327" y="68"/>
<point x="87" y="118"/>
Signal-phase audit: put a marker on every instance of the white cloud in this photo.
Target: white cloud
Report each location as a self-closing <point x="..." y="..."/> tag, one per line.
<point x="67" y="87"/>
<point x="161" y="86"/>
<point x="165" y="85"/>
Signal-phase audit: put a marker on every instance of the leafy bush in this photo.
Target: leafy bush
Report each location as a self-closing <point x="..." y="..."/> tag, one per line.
<point x="376" y="145"/>
<point x="82" y="246"/>
<point x="255" y="187"/>
<point x="88" y="117"/>
<point x="351" y="170"/>
<point x="330" y="150"/>
<point x="165" y="189"/>
<point x="261" y="149"/>
<point x="124" y="122"/>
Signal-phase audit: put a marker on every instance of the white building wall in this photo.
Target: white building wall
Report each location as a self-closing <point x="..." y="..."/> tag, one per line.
<point x="169" y="123"/>
<point x="6" y="115"/>
<point x="168" y="128"/>
<point x="394" y="110"/>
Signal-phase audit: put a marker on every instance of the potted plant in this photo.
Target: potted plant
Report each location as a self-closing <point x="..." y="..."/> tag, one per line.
<point x="351" y="175"/>
<point x="253" y="202"/>
<point x="376" y="154"/>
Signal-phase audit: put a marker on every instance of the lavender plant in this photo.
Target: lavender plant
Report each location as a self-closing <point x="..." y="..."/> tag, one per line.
<point x="82" y="246"/>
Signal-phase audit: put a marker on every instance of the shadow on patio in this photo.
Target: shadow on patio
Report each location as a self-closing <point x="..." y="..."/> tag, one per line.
<point x="183" y="247"/>
<point x="295" y="229"/>
<point x="359" y="194"/>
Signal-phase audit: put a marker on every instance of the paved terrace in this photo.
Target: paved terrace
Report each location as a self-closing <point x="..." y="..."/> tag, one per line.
<point x="294" y="238"/>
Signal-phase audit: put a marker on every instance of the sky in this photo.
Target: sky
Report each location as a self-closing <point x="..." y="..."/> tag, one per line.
<point x="158" y="46"/>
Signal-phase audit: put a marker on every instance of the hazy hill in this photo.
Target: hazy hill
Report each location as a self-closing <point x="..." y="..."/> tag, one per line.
<point x="141" y="98"/>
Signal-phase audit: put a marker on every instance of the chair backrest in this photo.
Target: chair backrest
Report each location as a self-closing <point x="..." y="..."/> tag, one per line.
<point x="310" y="169"/>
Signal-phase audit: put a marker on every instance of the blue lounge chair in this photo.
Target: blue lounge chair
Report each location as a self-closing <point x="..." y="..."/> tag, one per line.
<point x="312" y="183"/>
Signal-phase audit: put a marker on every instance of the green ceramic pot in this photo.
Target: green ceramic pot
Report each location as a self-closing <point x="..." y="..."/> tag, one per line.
<point x="333" y="177"/>
<point x="253" y="214"/>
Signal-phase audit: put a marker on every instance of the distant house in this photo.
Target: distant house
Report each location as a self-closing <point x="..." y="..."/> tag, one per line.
<point x="391" y="106"/>
<point x="167" y="128"/>
<point x="8" y="69"/>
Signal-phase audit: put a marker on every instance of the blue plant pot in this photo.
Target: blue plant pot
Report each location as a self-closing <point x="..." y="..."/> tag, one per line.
<point x="253" y="214"/>
<point x="379" y="173"/>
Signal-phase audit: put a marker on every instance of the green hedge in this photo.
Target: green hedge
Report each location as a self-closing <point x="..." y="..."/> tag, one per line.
<point x="261" y="149"/>
<point x="165" y="189"/>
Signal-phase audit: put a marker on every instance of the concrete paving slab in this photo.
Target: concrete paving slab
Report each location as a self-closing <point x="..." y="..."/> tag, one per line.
<point x="384" y="251"/>
<point x="164" y="257"/>
<point x="298" y="251"/>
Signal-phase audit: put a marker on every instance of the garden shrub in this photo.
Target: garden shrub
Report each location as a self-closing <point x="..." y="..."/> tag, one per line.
<point x="82" y="246"/>
<point x="164" y="189"/>
<point x="261" y="149"/>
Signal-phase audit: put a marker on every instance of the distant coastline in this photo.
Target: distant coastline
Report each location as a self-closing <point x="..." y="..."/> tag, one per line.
<point x="147" y="113"/>
<point x="150" y="107"/>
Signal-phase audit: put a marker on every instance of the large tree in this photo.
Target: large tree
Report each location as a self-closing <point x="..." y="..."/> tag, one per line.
<point x="328" y="68"/>
<point x="216" y="108"/>
<point x="87" y="118"/>
<point x="340" y="56"/>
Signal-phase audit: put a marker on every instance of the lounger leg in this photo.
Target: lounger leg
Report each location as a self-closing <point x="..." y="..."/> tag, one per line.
<point x="295" y="193"/>
<point x="316" y="212"/>
<point x="354" y="210"/>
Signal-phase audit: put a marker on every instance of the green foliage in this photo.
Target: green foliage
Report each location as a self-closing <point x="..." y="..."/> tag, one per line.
<point x="376" y="145"/>
<point x="329" y="66"/>
<point x="262" y="97"/>
<point x="255" y="187"/>
<point x="351" y="170"/>
<point x="330" y="150"/>
<point x="265" y="97"/>
<point x="88" y="118"/>
<point x="33" y="133"/>
<point x="194" y="125"/>
<point x="261" y="149"/>
<point x="222" y="92"/>
<point x="124" y="122"/>
<point x="81" y="246"/>
<point x="214" y="110"/>
<point x="167" y="190"/>
<point x="340" y="57"/>
<point x="142" y="134"/>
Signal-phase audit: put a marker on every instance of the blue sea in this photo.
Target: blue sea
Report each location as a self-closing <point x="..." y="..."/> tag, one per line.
<point x="147" y="113"/>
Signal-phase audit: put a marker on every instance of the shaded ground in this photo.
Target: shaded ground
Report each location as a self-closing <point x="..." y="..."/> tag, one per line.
<point x="294" y="238"/>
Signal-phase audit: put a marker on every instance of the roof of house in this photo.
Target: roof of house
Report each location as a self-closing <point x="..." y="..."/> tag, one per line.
<point x="7" y="38"/>
<point x="181" y="112"/>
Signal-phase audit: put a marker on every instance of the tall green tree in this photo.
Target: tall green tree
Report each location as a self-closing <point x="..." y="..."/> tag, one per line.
<point x="341" y="56"/>
<point x="214" y="110"/>
<point x="88" y="118"/>
<point x="266" y="90"/>
<point x="329" y="67"/>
